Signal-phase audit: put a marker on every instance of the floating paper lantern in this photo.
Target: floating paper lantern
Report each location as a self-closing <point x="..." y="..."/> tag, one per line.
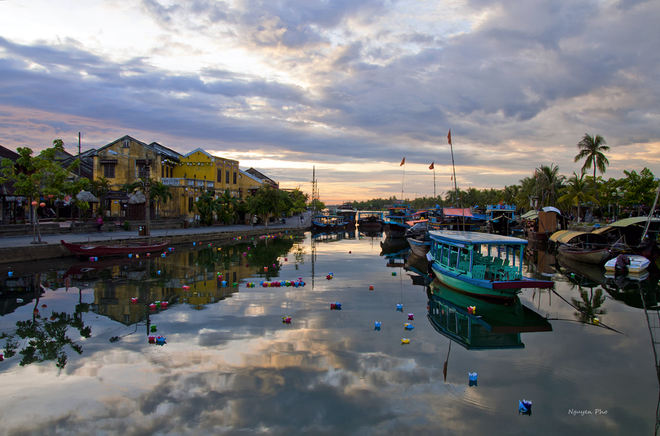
<point x="152" y="339"/>
<point x="224" y="283"/>
<point x="19" y="300"/>
<point x="525" y="407"/>
<point x="130" y="255"/>
<point x="43" y="306"/>
<point x="471" y="309"/>
<point x="185" y="287"/>
<point x="160" y="340"/>
<point x="399" y="307"/>
<point x="134" y="300"/>
<point x="408" y="327"/>
<point x="394" y="273"/>
<point x="286" y="259"/>
<point x="371" y="287"/>
<point x="405" y="341"/>
<point x="328" y="277"/>
<point x="596" y="321"/>
<point x="377" y="325"/>
<point x="349" y="252"/>
<point x="472" y="376"/>
<point x="411" y="317"/>
<point x="335" y="306"/>
<point x="10" y="273"/>
<point x="154" y="328"/>
<point x="164" y="304"/>
<point x="2" y="357"/>
<point x="163" y="255"/>
<point x="286" y="319"/>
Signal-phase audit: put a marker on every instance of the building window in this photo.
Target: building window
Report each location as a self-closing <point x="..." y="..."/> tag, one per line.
<point x="235" y="175"/>
<point x="219" y="176"/>
<point x="191" y="207"/>
<point x="162" y="171"/>
<point x="109" y="171"/>
<point x="227" y="176"/>
<point x="143" y="172"/>
<point x="127" y="143"/>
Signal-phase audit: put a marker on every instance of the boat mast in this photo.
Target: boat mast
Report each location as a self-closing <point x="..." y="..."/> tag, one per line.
<point x="451" y="147"/>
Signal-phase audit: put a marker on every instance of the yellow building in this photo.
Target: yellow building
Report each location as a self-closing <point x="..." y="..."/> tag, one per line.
<point x="125" y="161"/>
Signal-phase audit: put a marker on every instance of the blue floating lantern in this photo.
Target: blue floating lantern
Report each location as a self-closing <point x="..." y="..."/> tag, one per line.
<point x="224" y="283"/>
<point x="524" y="407"/>
<point x="10" y="274"/>
<point x="377" y="325"/>
<point x="409" y="327"/>
<point x="160" y="340"/>
<point x="472" y="377"/>
<point x="399" y="307"/>
<point x="130" y="255"/>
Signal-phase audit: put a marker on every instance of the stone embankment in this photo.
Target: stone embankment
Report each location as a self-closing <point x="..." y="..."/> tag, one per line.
<point x="14" y="249"/>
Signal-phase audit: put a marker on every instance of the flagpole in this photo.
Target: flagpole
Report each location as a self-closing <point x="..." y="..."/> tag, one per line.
<point x="434" y="195"/>
<point x="402" y="178"/>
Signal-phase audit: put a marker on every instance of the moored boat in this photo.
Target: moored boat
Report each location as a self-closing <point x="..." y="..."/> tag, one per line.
<point x="582" y="246"/>
<point x="632" y="264"/>
<point x="370" y="221"/>
<point x="100" y="250"/>
<point x="418" y="237"/>
<point x="484" y="264"/>
<point x="395" y="222"/>
<point x="328" y="223"/>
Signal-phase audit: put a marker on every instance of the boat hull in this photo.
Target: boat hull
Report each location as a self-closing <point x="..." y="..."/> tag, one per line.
<point x="486" y="288"/>
<point x="113" y="250"/>
<point x="420" y="248"/>
<point x="394" y="230"/>
<point x="637" y="264"/>
<point x="595" y="257"/>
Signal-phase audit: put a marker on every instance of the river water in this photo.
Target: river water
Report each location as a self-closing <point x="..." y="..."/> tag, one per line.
<point x="582" y="354"/>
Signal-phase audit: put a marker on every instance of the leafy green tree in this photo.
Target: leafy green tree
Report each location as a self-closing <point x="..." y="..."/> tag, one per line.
<point x="161" y="193"/>
<point x="299" y="200"/>
<point x="592" y="149"/>
<point x="638" y="189"/>
<point x="267" y="200"/>
<point x="576" y="192"/>
<point x="100" y="188"/>
<point x="317" y="205"/>
<point x="37" y="176"/>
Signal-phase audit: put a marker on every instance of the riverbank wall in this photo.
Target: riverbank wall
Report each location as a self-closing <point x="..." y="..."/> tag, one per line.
<point x="14" y="250"/>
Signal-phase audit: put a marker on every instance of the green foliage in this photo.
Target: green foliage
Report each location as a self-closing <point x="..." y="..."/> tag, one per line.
<point x="126" y="225"/>
<point x="228" y="206"/>
<point x="298" y="201"/>
<point x="268" y="200"/>
<point x="159" y="192"/>
<point x="207" y="207"/>
<point x="592" y="149"/>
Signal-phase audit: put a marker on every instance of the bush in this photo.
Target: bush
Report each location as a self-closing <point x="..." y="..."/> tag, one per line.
<point x="126" y="225"/>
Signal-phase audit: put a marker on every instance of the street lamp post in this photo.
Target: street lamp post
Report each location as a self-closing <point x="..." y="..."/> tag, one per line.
<point x="147" y="206"/>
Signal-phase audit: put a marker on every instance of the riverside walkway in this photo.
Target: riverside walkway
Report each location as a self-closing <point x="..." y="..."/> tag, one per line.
<point x="22" y="248"/>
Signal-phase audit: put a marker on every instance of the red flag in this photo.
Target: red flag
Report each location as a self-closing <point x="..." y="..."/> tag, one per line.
<point x="431" y="167"/>
<point x="403" y="162"/>
<point x="449" y="137"/>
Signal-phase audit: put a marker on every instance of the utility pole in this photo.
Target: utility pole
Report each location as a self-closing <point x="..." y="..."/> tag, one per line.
<point x="147" y="206"/>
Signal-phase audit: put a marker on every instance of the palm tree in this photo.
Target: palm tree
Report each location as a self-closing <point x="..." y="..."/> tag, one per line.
<point x="576" y="192"/>
<point x="228" y="206"/>
<point x="159" y="192"/>
<point x="549" y="184"/>
<point x="592" y="149"/>
<point x="100" y="189"/>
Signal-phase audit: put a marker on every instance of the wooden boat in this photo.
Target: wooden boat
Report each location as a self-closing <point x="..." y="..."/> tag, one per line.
<point x="418" y="237"/>
<point x="582" y="246"/>
<point x="637" y="263"/>
<point x="491" y="325"/>
<point x="114" y="250"/>
<point x="349" y="213"/>
<point x="328" y="223"/>
<point x="395" y="222"/>
<point x="460" y="262"/>
<point x="629" y="234"/>
<point x="370" y="221"/>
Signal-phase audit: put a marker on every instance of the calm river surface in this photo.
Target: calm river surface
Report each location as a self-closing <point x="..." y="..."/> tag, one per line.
<point x="229" y="365"/>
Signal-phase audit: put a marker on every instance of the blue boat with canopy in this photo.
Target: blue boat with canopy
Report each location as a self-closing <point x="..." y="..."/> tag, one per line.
<point x="483" y="264"/>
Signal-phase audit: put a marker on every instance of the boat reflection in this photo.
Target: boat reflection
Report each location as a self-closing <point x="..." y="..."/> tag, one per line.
<point x="491" y="326"/>
<point x="639" y="291"/>
<point x="321" y="236"/>
<point x="394" y="247"/>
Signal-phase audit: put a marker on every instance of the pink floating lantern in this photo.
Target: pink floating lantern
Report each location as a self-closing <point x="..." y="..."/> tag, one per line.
<point x="410" y="316"/>
<point x="371" y="287"/>
<point x="185" y="287"/>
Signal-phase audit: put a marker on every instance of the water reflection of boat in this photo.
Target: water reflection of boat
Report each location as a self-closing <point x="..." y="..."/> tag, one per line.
<point x="321" y="236"/>
<point x="491" y="326"/>
<point x="394" y="246"/>
<point x="88" y="266"/>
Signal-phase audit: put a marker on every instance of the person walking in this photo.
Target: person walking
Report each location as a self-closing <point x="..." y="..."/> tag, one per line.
<point x="99" y="222"/>
<point x="254" y="221"/>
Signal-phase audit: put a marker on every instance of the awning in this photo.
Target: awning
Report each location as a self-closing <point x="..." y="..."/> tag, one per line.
<point x="87" y="196"/>
<point x="626" y="222"/>
<point x="531" y="215"/>
<point x="449" y="211"/>
<point x="551" y="209"/>
<point x="570" y="236"/>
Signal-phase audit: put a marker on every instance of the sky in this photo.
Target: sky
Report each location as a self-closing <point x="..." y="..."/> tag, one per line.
<point x="346" y="87"/>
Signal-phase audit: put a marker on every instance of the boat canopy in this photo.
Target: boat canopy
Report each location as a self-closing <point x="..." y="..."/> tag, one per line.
<point x="450" y="211"/>
<point x="531" y="215"/>
<point x="627" y="222"/>
<point x="571" y="237"/>
<point x="413" y="222"/>
<point x="473" y="238"/>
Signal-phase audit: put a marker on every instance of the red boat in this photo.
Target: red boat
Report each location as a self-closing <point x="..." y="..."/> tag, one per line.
<point x="115" y="250"/>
